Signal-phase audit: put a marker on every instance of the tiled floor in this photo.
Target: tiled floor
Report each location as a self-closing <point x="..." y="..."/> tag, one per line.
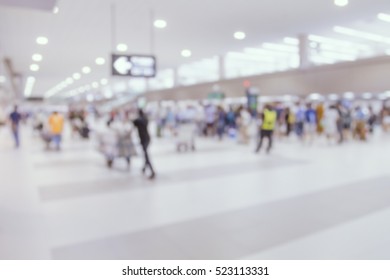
<point x="303" y="201"/>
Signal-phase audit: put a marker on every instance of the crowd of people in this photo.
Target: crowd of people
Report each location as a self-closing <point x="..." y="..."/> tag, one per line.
<point x="337" y="122"/>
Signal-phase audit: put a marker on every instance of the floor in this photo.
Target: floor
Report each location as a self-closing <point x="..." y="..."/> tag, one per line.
<point x="303" y="201"/>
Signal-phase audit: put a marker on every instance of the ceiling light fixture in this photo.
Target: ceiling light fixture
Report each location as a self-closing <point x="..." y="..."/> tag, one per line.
<point x="341" y="3"/>
<point x="42" y="40"/>
<point x="320" y="39"/>
<point x="37" y="57"/>
<point x="280" y="47"/>
<point x="160" y="23"/>
<point x="100" y="61"/>
<point x="95" y="84"/>
<point x="291" y="41"/>
<point x="56" y="10"/>
<point x="186" y="53"/>
<point x="103" y="82"/>
<point x="2" y="79"/>
<point x="29" y="86"/>
<point x="239" y="35"/>
<point x="86" y="70"/>
<point x="121" y="47"/>
<point x="34" y="67"/>
<point x="360" y="34"/>
<point x="69" y="81"/>
<point x="76" y="76"/>
<point x="384" y="17"/>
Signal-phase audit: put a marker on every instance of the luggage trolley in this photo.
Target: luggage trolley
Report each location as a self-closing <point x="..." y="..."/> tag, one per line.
<point x="116" y="145"/>
<point x="185" y="137"/>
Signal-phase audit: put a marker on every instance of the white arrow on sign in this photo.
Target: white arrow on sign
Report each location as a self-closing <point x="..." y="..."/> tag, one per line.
<point x="122" y="65"/>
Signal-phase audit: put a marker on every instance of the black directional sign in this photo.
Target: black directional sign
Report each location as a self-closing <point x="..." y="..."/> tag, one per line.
<point x="133" y="65"/>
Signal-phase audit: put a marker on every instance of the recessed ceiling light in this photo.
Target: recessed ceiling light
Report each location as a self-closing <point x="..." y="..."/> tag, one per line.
<point x="103" y="82"/>
<point x="56" y="10"/>
<point x="186" y="53"/>
<point x="239" y="35"/>
<point x="69" y="81"/>
<point x="95" y="84"/>
<point x="86" y="70"/>
<point x="121" y="47"/>
<point x="37" y="57"/>
<point x="341" y="3"/>
<point x="34" y="67"/>
<point x="100" y="61"/>
<point x="42" y="40"/>
<point x="2" y="79"/>
<point x="384" y="17"/>
<point x="160" y="23"/>
<point x="76" y="76"/>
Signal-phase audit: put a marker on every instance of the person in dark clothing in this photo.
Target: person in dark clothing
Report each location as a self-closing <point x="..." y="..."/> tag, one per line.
<point x="15" y="118"/>
<point x="141" y="123"/>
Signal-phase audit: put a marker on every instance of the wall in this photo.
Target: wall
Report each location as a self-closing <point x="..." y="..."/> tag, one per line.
<point x="368" y="75"/>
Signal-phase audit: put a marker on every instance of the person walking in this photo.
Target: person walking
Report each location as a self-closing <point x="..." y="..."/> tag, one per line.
<point x="15" y="118"/>
<point x="56" y="123"/>
<point x="269" y="118"/>
<point x="141" y="123"/>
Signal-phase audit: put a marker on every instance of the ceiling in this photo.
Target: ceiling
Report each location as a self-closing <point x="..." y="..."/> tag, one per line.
<point x="84" y="30"/>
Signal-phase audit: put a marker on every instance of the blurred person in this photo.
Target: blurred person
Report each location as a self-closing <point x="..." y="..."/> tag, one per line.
<point x="330" y="122"/>
<point x="200" y="120"/>
<point x="300" y="121"/>
<point x="385" y="118"/>
<point x="269" y="118"/>
<point x="15" y="118"/>
<point x="221" y="122"/>
<point x="170" y="120"/>
<point x="310" y="122"/>
<point x="244" y="121"/>
<point x="231" y="118"/>
<point x="56" y="124"/>
<point x="280" y="124"/>
<point x="210" y="115"/>
<point x="141" y="123"/>
<point x="372" y="119"/>
<point x="346" y="120"/>
<point x="359" y="130"/>
<point x="320" y="112"/>
<point x="290" y="121"/>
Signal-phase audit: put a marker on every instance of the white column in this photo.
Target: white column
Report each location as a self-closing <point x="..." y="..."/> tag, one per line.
<point x="304" y="51"/>
<point x="221" y="67"/>
<point x="176" y="81"/>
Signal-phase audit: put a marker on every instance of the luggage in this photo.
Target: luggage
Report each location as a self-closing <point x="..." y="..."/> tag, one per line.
<point x="185" y="137"/>
<point x="115" y="145"/>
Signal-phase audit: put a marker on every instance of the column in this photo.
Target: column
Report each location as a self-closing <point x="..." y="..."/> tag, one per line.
<point x="221" y="67"/>
<point x="304" y="51"/>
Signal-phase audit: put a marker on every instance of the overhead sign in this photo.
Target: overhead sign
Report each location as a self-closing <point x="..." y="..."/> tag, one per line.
<point x="143" y="66"/>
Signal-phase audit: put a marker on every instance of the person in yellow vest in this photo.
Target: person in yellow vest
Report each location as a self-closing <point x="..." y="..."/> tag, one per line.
<point x="269" y="118"/>
<point x="56" y="124"/>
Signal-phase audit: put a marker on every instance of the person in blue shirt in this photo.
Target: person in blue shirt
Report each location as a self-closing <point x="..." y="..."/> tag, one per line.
<point x="15" y="118"/>
<point x="310" y="122"/>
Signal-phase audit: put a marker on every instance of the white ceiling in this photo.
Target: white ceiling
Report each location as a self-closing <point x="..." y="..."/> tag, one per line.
<point x="81" y="31"/>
